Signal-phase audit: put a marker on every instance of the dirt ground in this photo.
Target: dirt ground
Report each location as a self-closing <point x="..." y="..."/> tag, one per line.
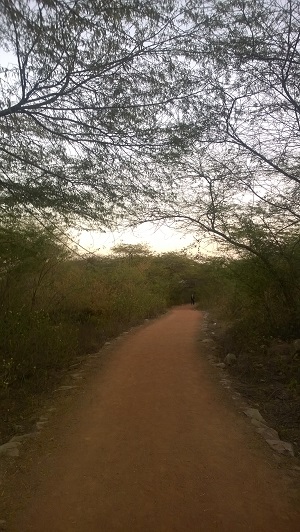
<point x="266" y="373"/>
<point x="150" y="442"/>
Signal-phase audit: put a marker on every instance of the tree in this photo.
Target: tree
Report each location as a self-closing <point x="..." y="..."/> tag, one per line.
<point x="27" y="252"/>
<point x="243" y="167"/>
<point x="131" y="250"/>
<point x="81" y="105"/>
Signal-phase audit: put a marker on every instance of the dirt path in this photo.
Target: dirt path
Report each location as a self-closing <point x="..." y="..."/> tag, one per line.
<point x="153" y="444"/>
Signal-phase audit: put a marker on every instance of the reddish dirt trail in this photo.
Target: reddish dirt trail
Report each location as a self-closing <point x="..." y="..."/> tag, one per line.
<point x="154" y="446"/>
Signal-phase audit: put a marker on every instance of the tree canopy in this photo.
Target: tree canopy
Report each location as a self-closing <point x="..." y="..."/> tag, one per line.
<point x="86" y="101"/>
<point x="179" y="110"/>
<point x="242" y="173"/>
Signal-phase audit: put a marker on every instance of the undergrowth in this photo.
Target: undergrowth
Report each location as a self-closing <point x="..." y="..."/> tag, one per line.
<point x="255" y="305"/>
<point x="55" y="307"/>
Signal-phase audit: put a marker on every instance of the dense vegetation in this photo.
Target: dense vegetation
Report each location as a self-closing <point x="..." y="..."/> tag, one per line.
<point x="260" y="293"/>
<point x="56" y="306"/>
<point x="254" y="313"/>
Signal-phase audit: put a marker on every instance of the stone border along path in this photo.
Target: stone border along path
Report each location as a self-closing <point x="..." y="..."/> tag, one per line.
<point x="269" y="434"/>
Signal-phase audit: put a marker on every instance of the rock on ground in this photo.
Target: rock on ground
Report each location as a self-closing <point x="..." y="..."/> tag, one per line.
<point x="254" y="414"/>
<point x="230" y="359"/>
<point x="23" y="437"/>
<point x="10" y="448"/>
<point x="268" y="433"/>
<point x="282" y="447"/>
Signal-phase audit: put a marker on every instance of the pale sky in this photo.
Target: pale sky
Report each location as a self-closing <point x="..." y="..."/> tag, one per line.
<point x="160" y="240"/>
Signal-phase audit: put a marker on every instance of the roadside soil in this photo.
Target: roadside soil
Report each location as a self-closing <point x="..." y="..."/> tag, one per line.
<point x="149" y="441"/>
<point x="267" y="378"/>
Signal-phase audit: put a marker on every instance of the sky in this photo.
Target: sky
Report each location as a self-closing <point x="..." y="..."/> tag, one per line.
<point x="160" y="240"/>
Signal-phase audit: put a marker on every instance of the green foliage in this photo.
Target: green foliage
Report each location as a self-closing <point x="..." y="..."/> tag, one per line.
<point x="31" y="345"/>
<point x="260" y="295"/>
<point x="131" y="250"/>
<point x="54" y="306"/>
<point x="179" y="275"/>
<point x="255" y="301"/>
<point x="83" y="90"/>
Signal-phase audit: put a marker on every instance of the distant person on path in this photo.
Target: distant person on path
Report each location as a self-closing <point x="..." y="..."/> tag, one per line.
<point x="192" y="299"/>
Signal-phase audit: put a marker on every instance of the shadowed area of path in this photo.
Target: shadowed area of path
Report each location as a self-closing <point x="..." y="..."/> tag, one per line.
<point x="153" y="446"/>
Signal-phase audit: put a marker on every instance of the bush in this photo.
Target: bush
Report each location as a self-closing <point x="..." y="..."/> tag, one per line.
<point x="31" y="346"/>
<point x="55" y="306"/>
